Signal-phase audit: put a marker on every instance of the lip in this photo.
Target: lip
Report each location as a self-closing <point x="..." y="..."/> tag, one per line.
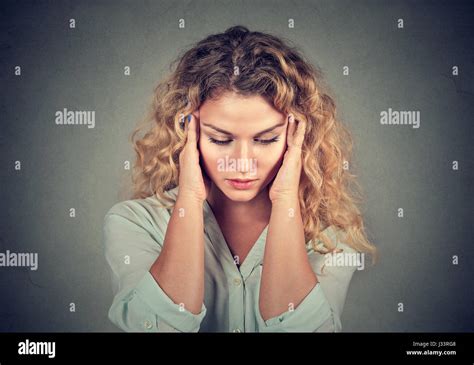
<point x="241" y="184"/>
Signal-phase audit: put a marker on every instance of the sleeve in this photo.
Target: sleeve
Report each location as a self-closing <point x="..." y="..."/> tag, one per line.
<point x="313" y="313"/>
<point x="132" y="243"/>
<point x="321" y="309"/>
<point x="335" y="280"/>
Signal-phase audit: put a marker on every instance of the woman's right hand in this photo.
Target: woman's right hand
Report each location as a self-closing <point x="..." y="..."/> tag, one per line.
<point x="193" y="183"/>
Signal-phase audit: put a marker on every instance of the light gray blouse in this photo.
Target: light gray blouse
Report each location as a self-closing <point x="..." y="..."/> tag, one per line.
<point x="134" y="232"/>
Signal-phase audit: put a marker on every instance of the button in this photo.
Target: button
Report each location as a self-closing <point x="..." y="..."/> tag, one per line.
<point x="148" y="325"/>
<point x="237" y="281"/>
<point x="237" y="330"/>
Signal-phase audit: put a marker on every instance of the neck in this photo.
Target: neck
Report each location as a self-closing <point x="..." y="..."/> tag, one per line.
<point x="256" y="210"/>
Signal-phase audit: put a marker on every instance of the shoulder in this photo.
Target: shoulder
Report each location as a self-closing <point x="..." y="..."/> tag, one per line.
<point x="343" y="258"/>
<point x="337" y="238"/>
<point x="142" y="208"/>
<point x="149" y="214"/>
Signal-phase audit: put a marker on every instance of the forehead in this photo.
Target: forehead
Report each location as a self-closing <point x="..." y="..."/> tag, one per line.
<point x="235" y="111"/>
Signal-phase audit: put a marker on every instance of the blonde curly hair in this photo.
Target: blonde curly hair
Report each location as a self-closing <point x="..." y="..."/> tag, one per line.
<point x="269" y="67"/>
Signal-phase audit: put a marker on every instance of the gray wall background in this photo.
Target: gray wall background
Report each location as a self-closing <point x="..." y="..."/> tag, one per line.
<point x="398" y="166"/>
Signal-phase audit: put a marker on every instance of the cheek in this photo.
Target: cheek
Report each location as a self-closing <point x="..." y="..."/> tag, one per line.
<point x="270" y="157"/>
<point x="209" y="155"/>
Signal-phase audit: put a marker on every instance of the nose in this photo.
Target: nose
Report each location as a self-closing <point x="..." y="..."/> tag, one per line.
<point x="244" y="155"/>
<point x="243" y="149"/>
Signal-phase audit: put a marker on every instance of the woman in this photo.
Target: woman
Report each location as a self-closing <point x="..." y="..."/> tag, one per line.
<point x="241" y="192"/>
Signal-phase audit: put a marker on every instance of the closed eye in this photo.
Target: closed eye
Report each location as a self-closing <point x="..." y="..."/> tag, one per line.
<point x="266" y="141"/>
<point x="258" y="140"/>
<point x="217" y="141"/>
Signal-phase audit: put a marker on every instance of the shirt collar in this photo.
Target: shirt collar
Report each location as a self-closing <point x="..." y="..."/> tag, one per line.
<point x="254" y="257"/>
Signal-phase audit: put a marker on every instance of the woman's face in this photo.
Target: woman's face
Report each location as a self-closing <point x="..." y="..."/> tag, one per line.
<point x="241" y="138"/>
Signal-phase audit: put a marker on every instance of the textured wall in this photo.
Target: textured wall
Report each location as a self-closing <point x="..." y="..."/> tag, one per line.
<point x="399" y="166"/>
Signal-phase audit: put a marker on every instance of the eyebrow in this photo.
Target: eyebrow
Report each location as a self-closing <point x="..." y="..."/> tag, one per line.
<point x="230" y="134"/>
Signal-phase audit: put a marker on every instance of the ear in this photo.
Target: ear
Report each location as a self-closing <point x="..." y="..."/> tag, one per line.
<point x="196" y="113"/>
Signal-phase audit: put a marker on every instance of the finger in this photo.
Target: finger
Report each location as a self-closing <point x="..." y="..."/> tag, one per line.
<point x="298" y="137"/>
<point x="190" y="122"/>
<point x="197" y="124"/>
<point x="290" y="130"/>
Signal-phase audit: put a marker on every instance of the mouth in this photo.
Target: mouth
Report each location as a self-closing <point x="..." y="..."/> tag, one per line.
<point x="241" y="184"/>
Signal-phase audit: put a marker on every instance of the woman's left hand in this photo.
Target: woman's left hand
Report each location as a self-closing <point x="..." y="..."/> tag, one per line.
<point x="286" y="183"/>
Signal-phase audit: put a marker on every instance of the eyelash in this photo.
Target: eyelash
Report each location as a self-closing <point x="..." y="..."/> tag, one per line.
<point x="264" y="142"/>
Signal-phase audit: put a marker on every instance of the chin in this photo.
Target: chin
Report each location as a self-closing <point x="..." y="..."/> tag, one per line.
<point x="241" y="196"/>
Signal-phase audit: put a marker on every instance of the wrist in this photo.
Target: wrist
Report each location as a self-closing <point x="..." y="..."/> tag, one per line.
<point x="185" y="198"/>
<point x="290" y="199"/>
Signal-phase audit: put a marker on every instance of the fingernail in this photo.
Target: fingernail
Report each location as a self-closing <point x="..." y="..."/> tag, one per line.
<point x="291" y="118"/>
